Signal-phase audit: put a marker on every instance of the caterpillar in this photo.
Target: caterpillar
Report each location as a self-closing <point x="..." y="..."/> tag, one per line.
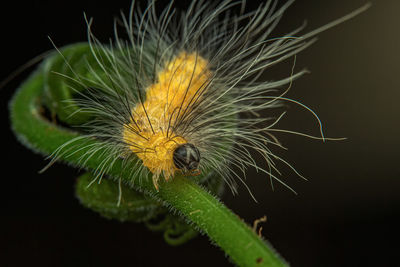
<point x="182" y="93"/>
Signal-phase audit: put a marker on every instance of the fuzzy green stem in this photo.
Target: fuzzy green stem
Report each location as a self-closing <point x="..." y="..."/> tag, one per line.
<point x="219" y="223"/>
<point x="189" y="199"/>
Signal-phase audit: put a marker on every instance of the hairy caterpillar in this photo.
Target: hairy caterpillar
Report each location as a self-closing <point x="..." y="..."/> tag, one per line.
<point x="173" y="95"/>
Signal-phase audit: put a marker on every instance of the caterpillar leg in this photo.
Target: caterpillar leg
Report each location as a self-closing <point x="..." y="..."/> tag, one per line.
<point x="195" y="172"/>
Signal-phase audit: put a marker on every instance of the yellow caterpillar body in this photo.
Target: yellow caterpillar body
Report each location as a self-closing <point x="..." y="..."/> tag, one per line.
<point x="150" y="133"/>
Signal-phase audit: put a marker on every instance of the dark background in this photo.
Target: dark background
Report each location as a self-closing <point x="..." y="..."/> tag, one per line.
<point x="347" y="214"/>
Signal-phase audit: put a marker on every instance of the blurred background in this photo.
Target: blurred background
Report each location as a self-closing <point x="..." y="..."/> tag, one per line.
<point x="346" y="214"/>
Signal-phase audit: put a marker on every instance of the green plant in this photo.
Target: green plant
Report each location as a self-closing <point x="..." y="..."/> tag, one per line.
<point x="77" y="85"/>
<point x="183" y="196"/>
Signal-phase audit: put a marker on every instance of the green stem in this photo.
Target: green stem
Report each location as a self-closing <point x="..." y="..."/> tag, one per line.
<point x="202" y="209"/>
<point x="219" y="223"/>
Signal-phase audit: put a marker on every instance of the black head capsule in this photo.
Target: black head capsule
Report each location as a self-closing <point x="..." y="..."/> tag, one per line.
<point x="186" y="157"/>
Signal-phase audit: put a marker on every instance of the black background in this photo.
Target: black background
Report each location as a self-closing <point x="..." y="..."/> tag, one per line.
<point x="347" y="214"/>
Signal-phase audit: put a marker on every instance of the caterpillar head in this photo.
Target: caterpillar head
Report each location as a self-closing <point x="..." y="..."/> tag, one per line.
<point x="186" y="157"/>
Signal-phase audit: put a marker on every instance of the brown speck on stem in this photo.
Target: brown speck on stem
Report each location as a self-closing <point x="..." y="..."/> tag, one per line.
<point x="193" y="212"/>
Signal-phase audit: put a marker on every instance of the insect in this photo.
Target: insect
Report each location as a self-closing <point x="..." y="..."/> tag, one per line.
<point x="176" y="93"/>
<point x="182" y="94"/>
